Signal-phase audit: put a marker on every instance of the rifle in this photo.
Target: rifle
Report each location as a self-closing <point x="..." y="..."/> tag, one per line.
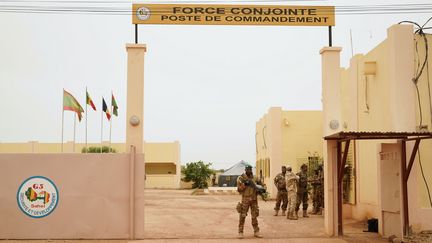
<point x="260" y="189"/>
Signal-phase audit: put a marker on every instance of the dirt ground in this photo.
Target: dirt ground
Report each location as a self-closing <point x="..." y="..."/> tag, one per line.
<point x="178" y="216"/>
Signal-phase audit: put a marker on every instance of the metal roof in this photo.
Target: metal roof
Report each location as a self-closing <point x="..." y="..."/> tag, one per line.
<point x="378" y="135"/>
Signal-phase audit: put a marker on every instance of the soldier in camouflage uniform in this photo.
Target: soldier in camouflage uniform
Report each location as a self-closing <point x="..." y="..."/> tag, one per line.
<point x="317" y="191"/>
<point x="302" y="193"/>
<point x="291" y="185"/>
<point x="249" y="200"/>
<point x="282" y="195"/>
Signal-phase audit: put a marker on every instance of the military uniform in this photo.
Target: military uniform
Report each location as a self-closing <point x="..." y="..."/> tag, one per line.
<point x="292" y="186"/>
<point x="302" y="193"/>
<point x="282" y="194"/>
<point x="249" y="200"/>
<point x="318" y="193"/>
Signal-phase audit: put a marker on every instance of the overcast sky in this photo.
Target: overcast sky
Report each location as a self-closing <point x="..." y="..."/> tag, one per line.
<point x="205" y="86"/>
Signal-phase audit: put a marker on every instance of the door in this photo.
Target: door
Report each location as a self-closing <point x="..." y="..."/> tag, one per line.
<point x="389" y="190"/>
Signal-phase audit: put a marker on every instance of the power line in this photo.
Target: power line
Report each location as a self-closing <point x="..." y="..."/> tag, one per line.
<point x="109" y="10"/>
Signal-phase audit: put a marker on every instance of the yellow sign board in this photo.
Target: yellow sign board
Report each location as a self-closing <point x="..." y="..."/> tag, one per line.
<point x="233" y="14"/>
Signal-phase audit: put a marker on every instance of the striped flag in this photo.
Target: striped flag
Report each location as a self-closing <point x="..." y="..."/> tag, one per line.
<point x="71" y="104"/>
<point x="105" y="109"/>
<point x="89" y="101"/>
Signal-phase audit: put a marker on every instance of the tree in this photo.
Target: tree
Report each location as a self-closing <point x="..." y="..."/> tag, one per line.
<point x="92" y="149"/>
<point x="198" y="172"/>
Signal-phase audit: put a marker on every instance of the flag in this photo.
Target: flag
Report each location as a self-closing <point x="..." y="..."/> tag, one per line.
<point x="71" y="104"/>
<point x="89" y="101"/>
<point x="105" y="109"/>
<point x="114" y="105"/>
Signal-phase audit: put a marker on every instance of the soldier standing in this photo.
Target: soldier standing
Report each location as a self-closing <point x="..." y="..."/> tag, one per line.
<point x="317" y="189"/>
<point x="291" y="185"/>
<point x="320" y="190"/>
<point x="246" y="186"/>
<point x="302" y="193"/>
<point x="282" y="195"/>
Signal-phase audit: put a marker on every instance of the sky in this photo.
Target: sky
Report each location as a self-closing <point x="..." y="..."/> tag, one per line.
<point x="204" y="86"/>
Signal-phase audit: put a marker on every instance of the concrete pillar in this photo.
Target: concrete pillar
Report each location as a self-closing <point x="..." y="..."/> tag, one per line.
<point x="331" y="88"/>
<point x="330" y="188"/>
<point x="135" y="97"/>
<point x="332" y="123"/>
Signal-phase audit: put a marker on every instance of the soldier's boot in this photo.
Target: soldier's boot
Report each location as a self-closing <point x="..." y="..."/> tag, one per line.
<point x="240" y="235"/>
<point x="319" y="211"/>
<point x="276" y="213"/>
<point x="283" y="213"/>
<point x="257" y="234"/>
<point x="314" y="211"/>
<point x="295" y="216"/>
<point x="305" y="215"/>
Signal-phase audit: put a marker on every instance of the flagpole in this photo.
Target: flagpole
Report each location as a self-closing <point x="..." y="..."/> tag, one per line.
<point x="62" y="123"/>
<point x="74" y="132"/>
<point x="101" y="126"/>
<point x="86" y="123"/>
<point x="109" y="148"/>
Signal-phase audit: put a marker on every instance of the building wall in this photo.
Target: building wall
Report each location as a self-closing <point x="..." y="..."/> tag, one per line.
<point x="161" y="181"/>
<point x="385" y="100"/>
<point x="160" y="168"/>
<point x="417" y="185"/>
<point x="160" y="158"/>
<point x="302" y="137"/>
<point x="286" y="138"/>
<point x="425" y="89"/>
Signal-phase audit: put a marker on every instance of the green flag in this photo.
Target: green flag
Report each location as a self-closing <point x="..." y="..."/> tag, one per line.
<point x="114" y="105"/>
<point x="71" y="104"/>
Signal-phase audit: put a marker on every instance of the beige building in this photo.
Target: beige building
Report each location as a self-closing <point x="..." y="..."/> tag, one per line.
<point x="287" y="138"/>
<point x="376" y="93"/>
<point x="162" y="160"/>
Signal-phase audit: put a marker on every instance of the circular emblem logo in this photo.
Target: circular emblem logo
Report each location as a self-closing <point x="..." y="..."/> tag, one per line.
<point x="37" y="196"/>
<point x="143" y="13"/>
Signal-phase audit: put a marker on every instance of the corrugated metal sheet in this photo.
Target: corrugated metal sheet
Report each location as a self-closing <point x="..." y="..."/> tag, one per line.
<point x="377" y="135"/>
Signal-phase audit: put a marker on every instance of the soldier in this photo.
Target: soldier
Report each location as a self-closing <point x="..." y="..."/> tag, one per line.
<point x="302" y="193"/>
<point x="291" y="185"/>
<point x="246" y="185"/>
<point x="282" y="194"/>
<point x="320" y="190"/>
<point x="317" y="191"/>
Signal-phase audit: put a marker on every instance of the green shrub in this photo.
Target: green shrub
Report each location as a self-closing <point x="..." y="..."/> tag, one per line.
<point x="92" y="149"/>
<point x="198" y="173"/>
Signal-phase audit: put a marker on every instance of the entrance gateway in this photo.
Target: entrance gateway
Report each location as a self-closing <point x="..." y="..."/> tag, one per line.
<point x="260" y="15"/>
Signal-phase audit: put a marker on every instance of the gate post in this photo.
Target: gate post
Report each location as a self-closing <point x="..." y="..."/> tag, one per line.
<point x="332" y="123"/>
<point x="135" y="97"/>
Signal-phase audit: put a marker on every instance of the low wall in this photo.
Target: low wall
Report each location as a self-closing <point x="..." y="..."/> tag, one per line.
<point x="161" y="181"/>
<point x="93" y="200"/>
